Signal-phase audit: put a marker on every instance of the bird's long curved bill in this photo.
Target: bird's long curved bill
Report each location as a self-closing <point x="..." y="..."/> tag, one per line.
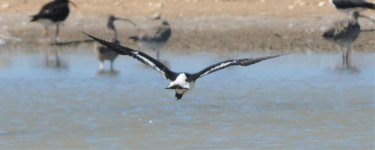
<point x="73" y="4"/>
<point x="367" y="17"/>
<point x="127" y="20"/>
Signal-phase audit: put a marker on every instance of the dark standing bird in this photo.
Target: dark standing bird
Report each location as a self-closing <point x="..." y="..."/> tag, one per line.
<point x="102" y="52"/>
<point x="180" y="82"/>
<point x="350" y="5"/>
<point x="154" y="38"/>
<point x="51" y="13"/>
<point x="343" y="33"/>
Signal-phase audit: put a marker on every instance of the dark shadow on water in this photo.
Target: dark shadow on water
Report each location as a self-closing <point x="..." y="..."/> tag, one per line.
<point x="72" y="43"/>
<point x="56" y="64"/>
<point x="53" y="60"/>
<point x="346" y="66"/>
<point x="347" y="69"/>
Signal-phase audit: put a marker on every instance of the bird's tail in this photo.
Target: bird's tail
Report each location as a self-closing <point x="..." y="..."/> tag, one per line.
<point x="34" y="18"/>
<point x="327" y="35"/>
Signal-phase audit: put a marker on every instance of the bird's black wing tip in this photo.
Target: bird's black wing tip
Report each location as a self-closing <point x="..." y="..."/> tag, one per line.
<point x="283" y="54"/>
<point x="251" y="61"/>
<point x="96" y="39"/>
<point x="274" y="56"/>
<point x="112" y="46"/>
<point x="89" y="35"/>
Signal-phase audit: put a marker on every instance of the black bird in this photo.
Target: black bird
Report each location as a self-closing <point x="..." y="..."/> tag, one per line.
<point x="180" y="82"/>
<point x="51" y="13"/>
<point x="102" y="52"/>
<point x="349" y="5"/>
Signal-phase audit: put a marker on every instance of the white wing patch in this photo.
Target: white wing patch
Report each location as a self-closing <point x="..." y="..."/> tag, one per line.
<point x="222" y="65"/>
<point x="181" y="81"/>
<point x="149" y="62"/>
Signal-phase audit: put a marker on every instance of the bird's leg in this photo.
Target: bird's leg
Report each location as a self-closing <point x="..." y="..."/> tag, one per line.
<point x="157" y="54"/>
<point x="57" y="58"/>
<point x="348" y="57"/>
<point x="46" y="58"/>
<point x="45" y="33"/>
<point x="101" y="66"/>
<point x="112" y="66"/>
<point x="343" y="55"/>
<point x="57" y="38"/>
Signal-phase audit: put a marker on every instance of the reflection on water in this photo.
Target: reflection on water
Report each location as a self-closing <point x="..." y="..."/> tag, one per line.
<point x="107" y="72"/>
<point x="292" y="102"/>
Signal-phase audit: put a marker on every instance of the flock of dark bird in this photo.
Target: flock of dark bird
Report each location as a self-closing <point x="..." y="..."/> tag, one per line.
<point x="343" y="33"/>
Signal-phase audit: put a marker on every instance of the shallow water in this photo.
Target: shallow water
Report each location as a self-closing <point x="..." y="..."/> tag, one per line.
<point x="292" y="102"/>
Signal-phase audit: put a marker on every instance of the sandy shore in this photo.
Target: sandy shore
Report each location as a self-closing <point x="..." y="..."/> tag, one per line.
<point x="212" y="25"/>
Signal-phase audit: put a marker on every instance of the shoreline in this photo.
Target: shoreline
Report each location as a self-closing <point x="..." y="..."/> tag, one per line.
<point x="250" y="26"/>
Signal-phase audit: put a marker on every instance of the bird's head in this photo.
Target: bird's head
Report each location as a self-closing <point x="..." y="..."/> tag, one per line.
<point x="110" y="22"/>
<point x="112" y="19"/>
<point x="356" y="14"/>
<point x="66" y="1"/>
<point x="165" y="22"/>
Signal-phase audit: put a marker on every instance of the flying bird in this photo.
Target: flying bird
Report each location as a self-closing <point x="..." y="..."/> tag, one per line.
<point x="51" y="13"/>
<point x="102" y="52"/>
<point x="181" y="82"/>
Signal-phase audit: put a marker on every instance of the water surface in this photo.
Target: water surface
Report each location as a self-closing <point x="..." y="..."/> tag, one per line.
<point x="292" y="102"/>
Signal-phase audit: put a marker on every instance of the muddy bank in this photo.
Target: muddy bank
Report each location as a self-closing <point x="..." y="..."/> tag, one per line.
<point x="209" y="25"/>
<point x="224" y="33"/>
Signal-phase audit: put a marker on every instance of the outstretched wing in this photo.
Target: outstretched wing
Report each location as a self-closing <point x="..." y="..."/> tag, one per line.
<point x="224" y="64"/>
<point x="144" y="58"/>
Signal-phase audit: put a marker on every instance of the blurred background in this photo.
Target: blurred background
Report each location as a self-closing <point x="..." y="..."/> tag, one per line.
<point x="229" y="25"/>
